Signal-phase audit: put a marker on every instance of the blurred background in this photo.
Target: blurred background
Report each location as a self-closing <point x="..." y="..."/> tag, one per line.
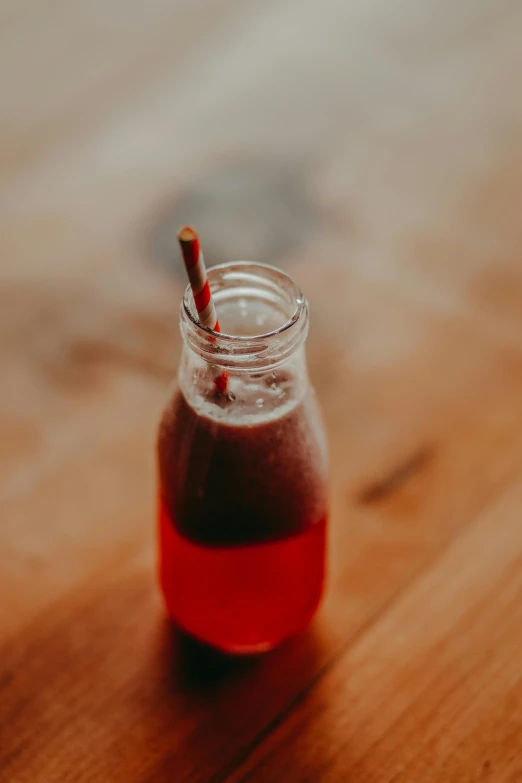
<point x="377" y="144"/>
<point x="373" y="149"/>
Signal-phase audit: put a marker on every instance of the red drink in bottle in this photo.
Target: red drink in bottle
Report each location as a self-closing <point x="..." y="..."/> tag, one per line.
<point x="243" y="505"/>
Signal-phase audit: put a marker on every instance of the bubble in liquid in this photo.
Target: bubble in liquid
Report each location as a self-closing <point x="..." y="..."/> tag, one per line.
<point x="260" y="402"/>
<point x="270" y="380"/>
<point x="231" y="396"/>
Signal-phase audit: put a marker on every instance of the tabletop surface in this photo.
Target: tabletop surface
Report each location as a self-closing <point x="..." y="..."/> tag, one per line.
<point x="375" y="144"/>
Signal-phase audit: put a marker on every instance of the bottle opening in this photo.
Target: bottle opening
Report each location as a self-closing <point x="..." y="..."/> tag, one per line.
<point x="262" y="312"/>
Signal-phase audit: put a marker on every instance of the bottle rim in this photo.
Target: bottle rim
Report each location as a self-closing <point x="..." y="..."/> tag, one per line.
<point x="267" y="349"/>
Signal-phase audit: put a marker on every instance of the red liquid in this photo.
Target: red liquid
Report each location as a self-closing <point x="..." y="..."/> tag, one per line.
<point x="244" y="598"/>
<point x="242" y="525"/>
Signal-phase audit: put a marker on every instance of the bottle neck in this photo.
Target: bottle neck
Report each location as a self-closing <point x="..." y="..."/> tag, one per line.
<point x="263" y="316"/>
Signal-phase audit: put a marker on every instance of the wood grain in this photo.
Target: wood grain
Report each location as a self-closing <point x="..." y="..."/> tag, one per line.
<point x="377" y="143"/>
<point x="433" y="690"/>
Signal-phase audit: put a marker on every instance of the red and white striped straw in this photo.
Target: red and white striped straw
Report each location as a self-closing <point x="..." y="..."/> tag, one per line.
<point x="197" y="273"/>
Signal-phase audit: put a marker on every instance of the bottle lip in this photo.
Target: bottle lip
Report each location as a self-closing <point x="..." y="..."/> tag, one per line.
<point x="267" y="349"/>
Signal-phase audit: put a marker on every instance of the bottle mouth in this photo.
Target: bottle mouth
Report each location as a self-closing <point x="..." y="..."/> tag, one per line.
<point x="262" y="312"/>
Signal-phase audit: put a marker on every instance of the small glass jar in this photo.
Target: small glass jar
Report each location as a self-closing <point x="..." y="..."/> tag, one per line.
<point x="243" y="468"/>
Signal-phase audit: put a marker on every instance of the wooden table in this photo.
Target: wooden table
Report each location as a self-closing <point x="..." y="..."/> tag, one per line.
<point x="377" y="141"/>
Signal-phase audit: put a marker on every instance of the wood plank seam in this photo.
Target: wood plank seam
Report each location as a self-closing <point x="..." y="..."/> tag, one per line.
<point x="442" y="696"/>
<point x="228" y="775"/>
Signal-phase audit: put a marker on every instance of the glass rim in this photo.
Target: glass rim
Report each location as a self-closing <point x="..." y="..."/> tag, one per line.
<point x="300" y="303"/>
<point x="243" y="352"/>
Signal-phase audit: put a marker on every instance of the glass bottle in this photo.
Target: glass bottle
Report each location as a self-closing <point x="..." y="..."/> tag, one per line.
<point x="243" y="468"/>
